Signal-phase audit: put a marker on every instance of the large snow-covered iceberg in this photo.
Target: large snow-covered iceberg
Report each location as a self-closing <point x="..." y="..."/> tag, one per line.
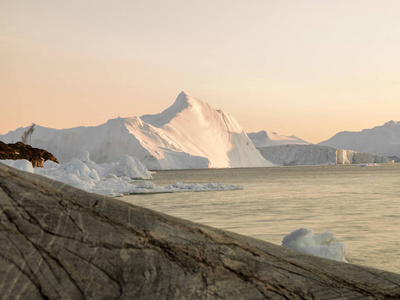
<point x="268" y="139"/>
<point x="382" y="140"/>
<point x="202" y="131"/>
<point x="287" y="155"/>
<point x="190" y="134"/>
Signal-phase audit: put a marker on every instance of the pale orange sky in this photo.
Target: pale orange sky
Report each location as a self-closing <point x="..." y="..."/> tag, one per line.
<point x="303" y="67"/>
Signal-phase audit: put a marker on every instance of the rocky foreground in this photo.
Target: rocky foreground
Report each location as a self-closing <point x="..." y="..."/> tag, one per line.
<point x="57" y="242"/>
<point x="22" y="151"/>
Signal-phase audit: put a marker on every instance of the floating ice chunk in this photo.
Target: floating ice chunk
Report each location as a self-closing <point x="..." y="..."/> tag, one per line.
<point x="49" y="164"/>
<point x="146" y="185"/>
<point x="201" y="187"/>
<point x="131" y="167"/>
<point x="77" y="167"/>
<point x="21" y="164"/>
<point x="179" y="185"/>
<point x="84" y="157"/>
<point x="368" y="165"/>
<point x="323" y="245"/>
<point x="111" y="179"/>
<point x="83" y="173"/>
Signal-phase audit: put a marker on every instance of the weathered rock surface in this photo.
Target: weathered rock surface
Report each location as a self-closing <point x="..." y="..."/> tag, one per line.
<point x="57" y="242"/>
<point x="20" y="150"/>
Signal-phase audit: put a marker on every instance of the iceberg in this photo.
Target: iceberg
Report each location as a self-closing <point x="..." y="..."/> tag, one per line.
<point x="188" y="135"/>
<point x="287" y="155"/>
<point x="127" y="176"/>
<point x="290" y="150"/>
<point x="322" y="245"/>
<point x="382" y="140"/>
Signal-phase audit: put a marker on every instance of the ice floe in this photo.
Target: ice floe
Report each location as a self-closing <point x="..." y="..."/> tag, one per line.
<point x="323" y="245"/>
<point x="127" y="176"/>
<point x="368" y="165"/>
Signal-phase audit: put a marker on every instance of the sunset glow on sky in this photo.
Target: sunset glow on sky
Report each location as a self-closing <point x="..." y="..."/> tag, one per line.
<point x="303" y="67"/>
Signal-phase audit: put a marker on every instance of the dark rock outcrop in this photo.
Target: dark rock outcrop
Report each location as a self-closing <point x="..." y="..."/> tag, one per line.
<point x="57" y="242"/>
<point x="22" y="151"/>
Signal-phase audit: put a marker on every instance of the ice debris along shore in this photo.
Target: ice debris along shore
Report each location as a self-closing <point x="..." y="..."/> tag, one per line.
<point x="322" y="245"/>
<point x="127" y="176"/>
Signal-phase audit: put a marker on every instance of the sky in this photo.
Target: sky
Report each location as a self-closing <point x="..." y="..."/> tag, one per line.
<point x="309" y="68"/>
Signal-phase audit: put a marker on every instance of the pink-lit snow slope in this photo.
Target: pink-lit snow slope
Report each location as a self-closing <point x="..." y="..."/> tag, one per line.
<point x="268" y="139"/>
<point x="202" y="131"/>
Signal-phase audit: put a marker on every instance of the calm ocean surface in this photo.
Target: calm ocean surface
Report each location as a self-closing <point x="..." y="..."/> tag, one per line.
<point x="361" y="205"/>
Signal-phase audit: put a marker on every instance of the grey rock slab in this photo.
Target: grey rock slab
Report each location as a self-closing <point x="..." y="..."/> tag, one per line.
<point x="58" y="242"/>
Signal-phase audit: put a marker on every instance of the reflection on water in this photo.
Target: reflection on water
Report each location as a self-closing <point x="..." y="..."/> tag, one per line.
<point x="361" y="205"/>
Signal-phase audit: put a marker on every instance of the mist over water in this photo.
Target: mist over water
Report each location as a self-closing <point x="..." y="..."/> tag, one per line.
<point x="359" y="204"/>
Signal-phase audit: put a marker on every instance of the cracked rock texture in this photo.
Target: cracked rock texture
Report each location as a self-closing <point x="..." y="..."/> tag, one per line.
<point x="58" y="242"/>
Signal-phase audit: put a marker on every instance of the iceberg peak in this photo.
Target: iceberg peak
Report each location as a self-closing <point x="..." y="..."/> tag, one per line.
<point x="391" y="123"/>
<point x="182" y="100"/>
<point x="183" y="93"/>
<point x="165" y="117"/>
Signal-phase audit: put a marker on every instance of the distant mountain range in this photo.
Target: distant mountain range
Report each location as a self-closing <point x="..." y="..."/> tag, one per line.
<point x="310" y="154"/>
<point x="382" y="140"/>
<point x="368" y="146"/>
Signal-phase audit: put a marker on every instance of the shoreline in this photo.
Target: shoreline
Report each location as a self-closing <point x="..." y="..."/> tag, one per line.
<point x="59" y="241"/>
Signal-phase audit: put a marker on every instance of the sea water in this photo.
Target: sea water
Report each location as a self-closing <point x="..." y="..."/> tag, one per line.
<point x="361" y="205"/>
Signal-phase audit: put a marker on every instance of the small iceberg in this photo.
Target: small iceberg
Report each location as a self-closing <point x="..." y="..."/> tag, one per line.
<point x="322" y="245"/>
